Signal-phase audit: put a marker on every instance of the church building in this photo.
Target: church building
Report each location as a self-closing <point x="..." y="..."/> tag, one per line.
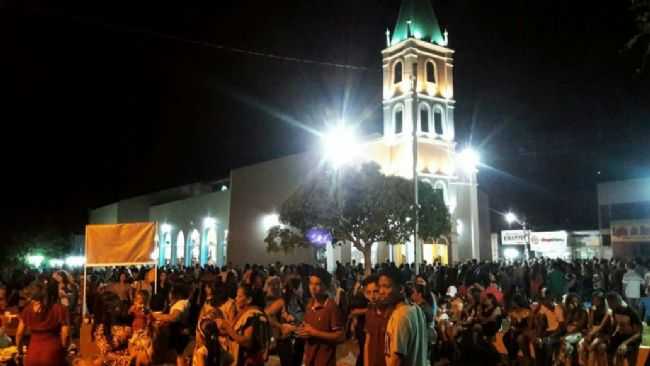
<point x="226" y="221"/>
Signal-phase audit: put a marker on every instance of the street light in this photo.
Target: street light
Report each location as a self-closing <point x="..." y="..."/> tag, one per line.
<point x="271" y="220"/>
<point x="340" y="144"/>
<point x="469" y="159"/>
<point x="510" y="217"/>
<point x="165" y="228"/>
<point x="209" y="222"/>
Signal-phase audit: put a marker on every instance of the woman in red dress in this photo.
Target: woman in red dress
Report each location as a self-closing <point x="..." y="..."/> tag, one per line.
<point x="48" y="323"/>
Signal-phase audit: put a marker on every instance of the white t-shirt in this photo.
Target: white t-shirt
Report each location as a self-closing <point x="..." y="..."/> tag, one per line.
<point x="632" y="282"/>
<point x="406" y="335"/>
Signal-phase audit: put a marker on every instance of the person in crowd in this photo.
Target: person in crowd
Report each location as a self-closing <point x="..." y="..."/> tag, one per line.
<point x="576" y="324"/>
<point x="626" y="338"/>
<point x="48" y="323"/>
<point x="644" y="306"/>
<point x="210" y="352"/>
<point x="520" y="332"/>
<point x="250" y="332"/>
<point x="141" y="343"/>
<point x="122" y="288"/>
<point x="290" y="348"/>
<point x="176" y="321"/>
<point x="160" y="298"/>
<point x="323" y="326"/>
<point x="110" y="333"/>
<point x="406" y="335"/>
<point x="550" y="321"/>
<point x="632" y="282"/>
<point x="593" y="347"/>
<point x="376" y="320"/>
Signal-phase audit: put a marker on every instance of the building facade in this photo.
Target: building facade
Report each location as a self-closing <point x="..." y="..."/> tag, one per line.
<point x="218" y="226"/>
<point x="624" y="216"/>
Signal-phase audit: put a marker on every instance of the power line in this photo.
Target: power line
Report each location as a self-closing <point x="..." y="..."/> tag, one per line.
<point x="207" y="44"/>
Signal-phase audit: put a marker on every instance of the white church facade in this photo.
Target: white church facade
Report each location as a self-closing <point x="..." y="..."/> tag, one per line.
<point x="226" y="221"/>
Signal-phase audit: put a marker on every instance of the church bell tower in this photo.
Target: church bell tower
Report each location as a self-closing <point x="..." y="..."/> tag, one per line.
<point x="418" y="119"/>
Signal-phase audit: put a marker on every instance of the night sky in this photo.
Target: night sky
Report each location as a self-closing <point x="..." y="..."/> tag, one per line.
<point x="102" y="100"/>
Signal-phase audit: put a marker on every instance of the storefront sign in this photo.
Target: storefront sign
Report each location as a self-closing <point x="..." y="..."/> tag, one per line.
<point x="548" y="240"/>
<point x="514" y="237"/>
<point x="631" y="231"/>
<point x="585" y="238"/>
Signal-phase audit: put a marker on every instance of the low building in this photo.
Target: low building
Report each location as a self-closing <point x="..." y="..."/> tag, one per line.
<point x="624" y="217"/>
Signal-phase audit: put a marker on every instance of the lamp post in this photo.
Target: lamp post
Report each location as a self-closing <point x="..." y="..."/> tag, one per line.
<point x="340" y="147"/>
<point x="416" y="227"/>
<point x="511" y="218"/>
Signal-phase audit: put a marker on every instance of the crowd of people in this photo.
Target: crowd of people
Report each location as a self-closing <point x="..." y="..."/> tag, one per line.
<point x="533" y="312"/>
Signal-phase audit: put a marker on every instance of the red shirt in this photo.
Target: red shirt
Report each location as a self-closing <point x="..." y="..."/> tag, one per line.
<point x="376" y="335"/>
<point x="324" y="317"/>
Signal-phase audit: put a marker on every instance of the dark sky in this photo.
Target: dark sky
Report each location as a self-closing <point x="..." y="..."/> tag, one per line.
<point x="102" y="100"/>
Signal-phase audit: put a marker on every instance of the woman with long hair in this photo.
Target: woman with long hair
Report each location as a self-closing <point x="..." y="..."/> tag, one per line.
<point x="290" y="349"/>
<point x="48" y="323"/>
<point x="250" y="333"/>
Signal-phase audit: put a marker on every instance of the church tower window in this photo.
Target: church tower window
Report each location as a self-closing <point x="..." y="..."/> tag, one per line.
<point x="399" y="126"/>
<point x="431" y="72"/>
<point x="397" y="73"/>
<point x="437" y="121"/>
<point x="424" y="119"/>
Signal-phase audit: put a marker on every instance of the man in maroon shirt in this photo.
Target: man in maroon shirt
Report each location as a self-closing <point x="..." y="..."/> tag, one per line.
<point x="376" y="319"/>
<point x="323" y="325"/>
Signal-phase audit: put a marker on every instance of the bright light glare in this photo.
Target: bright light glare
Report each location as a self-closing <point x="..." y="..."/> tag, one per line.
<point x="459" y="227"/>
<point x="510" y="253"/>
<point x="35" y="260"/>
<point x="340" y="145"/>
<point x="56" y="263"/>
<point x="165" y="228"/>
<point x="469" y="159"/>
<point x="75" y="261"/>
<point x="510" y="217"/>
<point x="209" y="222"/>
<point x="270" y="220"/>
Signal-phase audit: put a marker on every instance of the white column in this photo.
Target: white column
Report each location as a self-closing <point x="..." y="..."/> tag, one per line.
<point x="474" y="225"/>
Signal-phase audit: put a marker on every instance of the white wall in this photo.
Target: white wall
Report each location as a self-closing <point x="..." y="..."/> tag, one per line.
<point x="260" y="190"/>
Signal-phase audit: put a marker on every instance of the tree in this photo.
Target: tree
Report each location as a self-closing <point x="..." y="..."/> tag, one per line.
<point x="360" y="205"/>
<point x="48" y="242"/>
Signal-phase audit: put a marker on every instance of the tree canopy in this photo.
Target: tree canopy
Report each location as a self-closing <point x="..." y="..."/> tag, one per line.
<point x="360" y="205"/>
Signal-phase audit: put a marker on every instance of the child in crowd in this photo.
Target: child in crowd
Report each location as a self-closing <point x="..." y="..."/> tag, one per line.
<point x="141" y="344"/>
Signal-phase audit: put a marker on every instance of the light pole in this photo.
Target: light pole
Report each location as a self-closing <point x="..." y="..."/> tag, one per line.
<point x="340" y="147"/>
<point x="511" y="218"/>
<point x="416" y="228"/>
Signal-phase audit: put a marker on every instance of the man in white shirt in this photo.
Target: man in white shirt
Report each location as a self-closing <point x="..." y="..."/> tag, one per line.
<point x="406" y="331"/>
<point x="632" y="281"/>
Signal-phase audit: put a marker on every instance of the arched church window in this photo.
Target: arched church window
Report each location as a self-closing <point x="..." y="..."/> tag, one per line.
<point x="399" y="126"/>
<point x="437" y="121"/>
<point x="397" y="72"/>
<point x="431" y="72"/>
<point x="424" y="118"/>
